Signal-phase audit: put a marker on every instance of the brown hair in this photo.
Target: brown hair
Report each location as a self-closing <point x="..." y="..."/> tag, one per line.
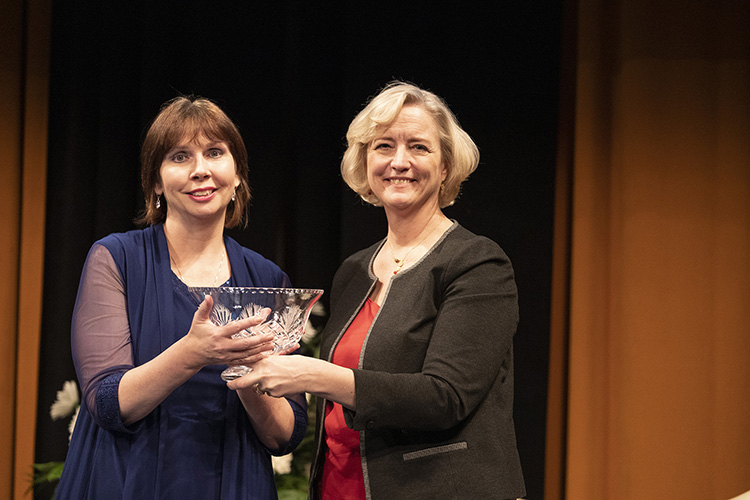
<point x="191" y="117"/>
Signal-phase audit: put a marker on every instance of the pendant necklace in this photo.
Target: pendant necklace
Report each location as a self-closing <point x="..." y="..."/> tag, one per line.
<point x="400" y="262"/>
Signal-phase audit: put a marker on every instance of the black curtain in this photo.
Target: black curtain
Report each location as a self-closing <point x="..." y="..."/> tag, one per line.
<point x="292" y="74"/>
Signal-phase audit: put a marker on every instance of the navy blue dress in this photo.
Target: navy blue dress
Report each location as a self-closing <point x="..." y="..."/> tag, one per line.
<point x="198" y="443"/>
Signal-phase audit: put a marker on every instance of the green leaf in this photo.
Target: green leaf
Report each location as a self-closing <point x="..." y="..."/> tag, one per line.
<point x="292" y="495"/>
<point x="48" y="472"/>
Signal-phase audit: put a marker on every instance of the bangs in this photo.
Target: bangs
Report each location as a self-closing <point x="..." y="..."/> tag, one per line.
<point x="384" y="110"/>
<point x="192" y="129"/>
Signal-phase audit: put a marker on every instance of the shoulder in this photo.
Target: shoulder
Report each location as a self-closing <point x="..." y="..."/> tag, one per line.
<point x="128" y="251"/>
<point x="462" y="243"/>
<point x="465" y="255"/>
<point x="127" y="240"/>
<point x="257" y="260"/>
<point x="262" y="269"/>
<point x="101" y="264"/>
<point x="249" y="255"/>
<point x="126" y="245"/>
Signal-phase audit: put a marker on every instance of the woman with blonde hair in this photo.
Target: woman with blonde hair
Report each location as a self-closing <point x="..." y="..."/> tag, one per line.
<point x="415" y="380"/>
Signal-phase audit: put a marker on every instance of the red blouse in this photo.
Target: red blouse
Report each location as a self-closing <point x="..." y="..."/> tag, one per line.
<point x="342" y="469"/>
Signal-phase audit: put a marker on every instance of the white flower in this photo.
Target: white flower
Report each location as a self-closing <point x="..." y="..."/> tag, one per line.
<point x="282" y="464"/>
<point x="72" y="423"/>
<point x="318" y="309"/>
<point x="66" y="402"/>
<point x="310" y="333"/>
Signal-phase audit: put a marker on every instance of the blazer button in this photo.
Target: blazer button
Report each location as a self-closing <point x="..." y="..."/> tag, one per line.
<point x="370" y="425"/>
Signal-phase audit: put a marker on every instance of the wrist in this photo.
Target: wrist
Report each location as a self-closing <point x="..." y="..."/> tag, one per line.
<point x="186" y="356"/>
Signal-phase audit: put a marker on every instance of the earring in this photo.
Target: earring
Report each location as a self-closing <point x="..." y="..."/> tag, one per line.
<point x="234" y="195"/>
<point x="158" y="201"/>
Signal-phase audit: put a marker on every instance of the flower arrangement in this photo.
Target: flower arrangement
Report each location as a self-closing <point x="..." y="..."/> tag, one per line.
<point x="67" y="403"/>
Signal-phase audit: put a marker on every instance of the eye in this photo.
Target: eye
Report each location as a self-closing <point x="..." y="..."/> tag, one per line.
<point x="179" y="157"/>
<point x="382" y="146"/>
<point x="215" y="153"/>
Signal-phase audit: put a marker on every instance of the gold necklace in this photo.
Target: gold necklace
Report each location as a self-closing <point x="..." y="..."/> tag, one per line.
<point x="400" y="262"/>
<point x="218" y="273"/>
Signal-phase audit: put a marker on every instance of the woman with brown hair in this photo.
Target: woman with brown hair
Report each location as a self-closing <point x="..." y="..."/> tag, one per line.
<point x="156" y="420"/>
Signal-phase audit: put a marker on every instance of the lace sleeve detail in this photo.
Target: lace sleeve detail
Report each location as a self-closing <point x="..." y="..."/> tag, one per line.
<point x="108" y="405"/>
<point x="100" y="337"/>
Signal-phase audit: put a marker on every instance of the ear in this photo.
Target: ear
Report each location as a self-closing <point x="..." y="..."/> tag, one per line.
<point x="236" y="181"/>
<point x="158" y="189"/>
<point x="443" y="173"/>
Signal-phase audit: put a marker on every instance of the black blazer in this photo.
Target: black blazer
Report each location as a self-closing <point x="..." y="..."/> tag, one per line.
<point x="434" y="388"/>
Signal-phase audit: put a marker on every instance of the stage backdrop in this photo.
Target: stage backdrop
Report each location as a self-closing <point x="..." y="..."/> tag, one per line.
<point x="654" y="295"/>
<point x="292" y="75"/>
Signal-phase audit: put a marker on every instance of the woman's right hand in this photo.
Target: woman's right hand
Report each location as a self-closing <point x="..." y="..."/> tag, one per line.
<point x="144" y="387"/>
<point x="209" y="344"/>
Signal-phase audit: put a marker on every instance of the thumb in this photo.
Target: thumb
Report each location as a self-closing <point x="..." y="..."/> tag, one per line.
<point x="204" y="310"/>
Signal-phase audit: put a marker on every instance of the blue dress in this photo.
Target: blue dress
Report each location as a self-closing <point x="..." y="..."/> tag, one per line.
<point x="198" y="443"/>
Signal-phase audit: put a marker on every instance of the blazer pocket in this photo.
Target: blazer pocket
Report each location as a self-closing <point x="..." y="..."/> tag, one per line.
<point x="435" y="450"/>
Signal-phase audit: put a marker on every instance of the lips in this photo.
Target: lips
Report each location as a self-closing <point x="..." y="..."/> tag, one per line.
<point x="399" y="182"/>
<point x="202" y="194"/>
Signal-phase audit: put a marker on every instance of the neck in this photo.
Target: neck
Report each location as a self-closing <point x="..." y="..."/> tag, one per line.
<point x="197" y="256"/>
<point x="194" y="239"/>
<point x="195" y="250"/>
<point x="404" y="231"/>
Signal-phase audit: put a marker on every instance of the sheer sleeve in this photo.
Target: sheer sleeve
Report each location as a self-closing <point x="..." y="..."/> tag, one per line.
<point x="100" y="337"/>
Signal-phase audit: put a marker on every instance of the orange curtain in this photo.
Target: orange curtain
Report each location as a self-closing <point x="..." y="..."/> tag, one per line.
<point x="658" y="310"/>
<point x="24" y="80"/>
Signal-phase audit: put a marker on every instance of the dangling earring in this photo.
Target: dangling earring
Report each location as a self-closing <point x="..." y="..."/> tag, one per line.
<point x="158" y="201"/>
<point x="234" y="195"/>
<point x="442" y="188"/>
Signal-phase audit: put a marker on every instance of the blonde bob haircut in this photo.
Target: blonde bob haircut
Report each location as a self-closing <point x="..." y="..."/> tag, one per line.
<point x="459" y="153"/>
<point x="190" y="118"/>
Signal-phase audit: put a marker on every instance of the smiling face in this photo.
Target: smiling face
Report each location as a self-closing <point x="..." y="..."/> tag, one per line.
<point x="404" y="162"/>
<point x="197" y="178"/>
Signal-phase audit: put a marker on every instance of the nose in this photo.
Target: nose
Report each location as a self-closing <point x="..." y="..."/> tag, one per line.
<point x="200" y="169"/>
<point x="400" y="159"/>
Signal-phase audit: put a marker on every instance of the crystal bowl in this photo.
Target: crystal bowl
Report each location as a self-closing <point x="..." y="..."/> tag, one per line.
<point x="289" y="311"/>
